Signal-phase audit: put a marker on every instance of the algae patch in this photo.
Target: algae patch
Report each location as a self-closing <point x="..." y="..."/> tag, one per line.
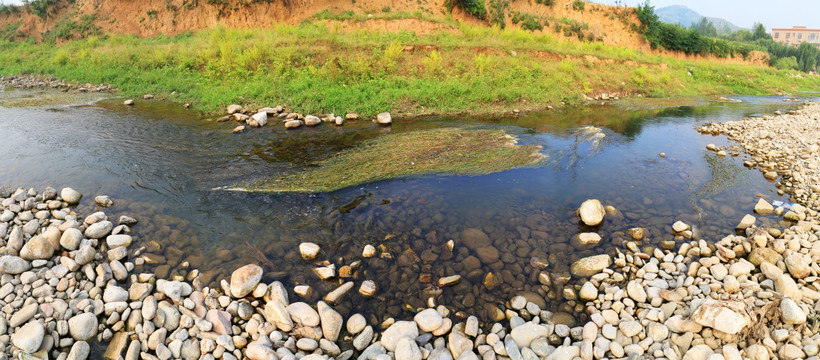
<point x="453" y="151"/>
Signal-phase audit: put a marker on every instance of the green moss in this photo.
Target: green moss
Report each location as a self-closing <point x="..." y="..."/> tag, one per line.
<point x="448" y="151"/>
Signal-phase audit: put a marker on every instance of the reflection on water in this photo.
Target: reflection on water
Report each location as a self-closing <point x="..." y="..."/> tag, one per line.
<point x="159" y="163"/>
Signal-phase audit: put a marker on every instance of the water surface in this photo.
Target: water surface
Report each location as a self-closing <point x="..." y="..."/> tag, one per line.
<point x="161" y="164"/>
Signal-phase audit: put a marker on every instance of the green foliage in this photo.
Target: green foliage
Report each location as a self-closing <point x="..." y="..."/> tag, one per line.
<point x="545" y="2"/>
<point x="42" y="8"/>
<point x="760" y="33"/>
<point x="705" y="28"/>
<point x="572" y="27"/>
<point x="152" y="14"/>
<point x="315" y="68"/>
<point x="807" y="55"/>
<point x="529" y="21"/>
<point x="498" y="12"/>
<point x="787" y="63"/>
<point x="68" y="29"/>
<point x="578" y="5"/>
<point x="433" y="62"/>
<point x="691" y="41"/>
<point x="473" y="7"/>
<point x="9" y="9"/>
<point x="11" y="31"/>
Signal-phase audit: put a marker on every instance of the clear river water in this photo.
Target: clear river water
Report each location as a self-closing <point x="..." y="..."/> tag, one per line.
<point x="165" y="166"/>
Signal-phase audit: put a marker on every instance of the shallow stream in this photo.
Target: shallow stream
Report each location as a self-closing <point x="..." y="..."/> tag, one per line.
<point x="161" y="165"/>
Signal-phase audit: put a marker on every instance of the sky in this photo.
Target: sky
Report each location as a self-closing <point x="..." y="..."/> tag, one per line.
<point x="744" y="13"/>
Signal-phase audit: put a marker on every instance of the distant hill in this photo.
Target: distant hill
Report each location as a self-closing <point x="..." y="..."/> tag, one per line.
<point x="682" y="15"/>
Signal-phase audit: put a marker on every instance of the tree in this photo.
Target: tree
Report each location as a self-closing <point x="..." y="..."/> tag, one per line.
<point x="760" y="32"/>
<point x="807" y="56"/>
<point x="705" y="27"/>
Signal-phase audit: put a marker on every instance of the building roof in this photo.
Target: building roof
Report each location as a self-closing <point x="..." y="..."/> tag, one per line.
<point x="795" y="28"/>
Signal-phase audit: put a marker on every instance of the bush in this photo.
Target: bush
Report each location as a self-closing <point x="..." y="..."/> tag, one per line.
<point x="528" y="21"/>
<point x="42" y="8"/>
<point x="787" y="63"/>
<point x="498" y="12"/>
<point x="578" y="5"/>
<point x="473" y="7"/>
<point x="68" y="29"/>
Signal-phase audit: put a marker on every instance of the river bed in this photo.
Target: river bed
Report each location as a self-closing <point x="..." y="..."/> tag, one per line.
<point x="161" y="164"/>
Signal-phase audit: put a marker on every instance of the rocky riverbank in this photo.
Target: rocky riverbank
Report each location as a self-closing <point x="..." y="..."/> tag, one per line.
<point x="35" y="82"/>
<point x="784" y="147"/>
<point x="69" y="280"/>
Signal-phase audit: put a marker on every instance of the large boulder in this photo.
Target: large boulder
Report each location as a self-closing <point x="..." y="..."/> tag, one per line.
<point x="591" y="212"/>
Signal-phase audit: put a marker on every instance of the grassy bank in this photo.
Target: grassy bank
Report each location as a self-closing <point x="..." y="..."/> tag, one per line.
<point x="449" y="151"/>
<point x="318" y="67"/>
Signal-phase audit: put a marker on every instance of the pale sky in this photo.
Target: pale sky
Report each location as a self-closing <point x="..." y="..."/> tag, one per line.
<point x="744" y="13"/>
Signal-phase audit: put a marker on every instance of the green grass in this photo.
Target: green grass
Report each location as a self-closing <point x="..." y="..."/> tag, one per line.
<point x="448" y="151"/>
<point x="320" y="68"/>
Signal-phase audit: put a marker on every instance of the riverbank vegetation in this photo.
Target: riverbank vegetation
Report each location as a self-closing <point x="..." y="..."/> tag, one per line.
<point x="318" y="67"/>
<point x="704" y="38"/>
<point x="440" y="151"/>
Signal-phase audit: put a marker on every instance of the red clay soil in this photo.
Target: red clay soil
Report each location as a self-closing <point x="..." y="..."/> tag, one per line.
<point x="145" y="18"/>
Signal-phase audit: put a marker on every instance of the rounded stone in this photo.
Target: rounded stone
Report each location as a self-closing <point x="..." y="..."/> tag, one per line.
<point x="591" y="212"/>
<point x="83" y="327"/>
<point x="29" y="337"/>
<point x="428" y="320"/>
<point x="70" y="195"/>
<point x="245" y="279"/>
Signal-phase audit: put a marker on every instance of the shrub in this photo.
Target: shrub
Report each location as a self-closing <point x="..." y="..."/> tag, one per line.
<point x="528" y="21"/>
<point x="432" y="63"/>
<point x="787" y="63"/>
<point x="42" y="8"/>
<point x="498" y="12"/>
<point x="473" y="7"/>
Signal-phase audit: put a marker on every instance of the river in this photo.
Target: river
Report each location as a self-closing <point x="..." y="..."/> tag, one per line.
<point x="164" y="165"/>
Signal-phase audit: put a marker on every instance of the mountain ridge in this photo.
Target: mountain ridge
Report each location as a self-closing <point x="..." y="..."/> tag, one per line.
<point x="686" y="17"/>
